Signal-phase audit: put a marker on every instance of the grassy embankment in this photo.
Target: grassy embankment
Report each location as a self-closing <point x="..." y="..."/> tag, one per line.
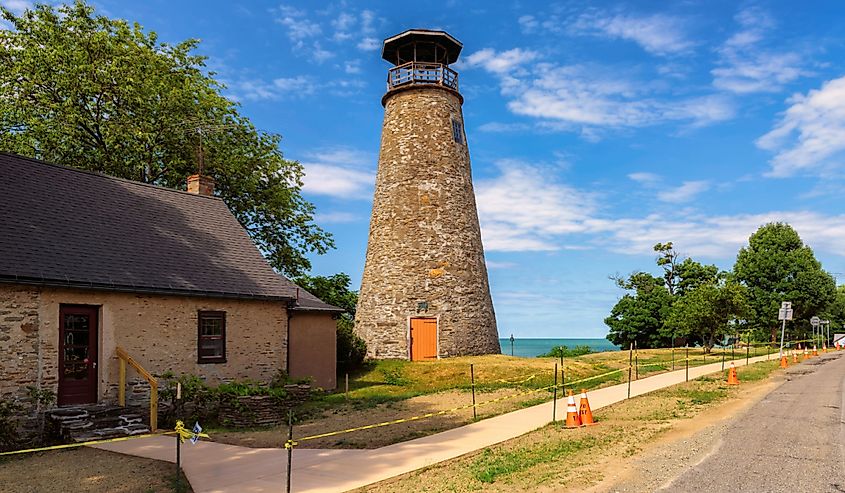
<point x="393" y="389"/>
<point x="556" y="459"/>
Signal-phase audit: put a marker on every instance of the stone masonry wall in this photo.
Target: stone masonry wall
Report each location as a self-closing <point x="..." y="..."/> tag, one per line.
<point x="160" y="332"/>
<point x="425" y="241"/>
<point x="25" y="355"/>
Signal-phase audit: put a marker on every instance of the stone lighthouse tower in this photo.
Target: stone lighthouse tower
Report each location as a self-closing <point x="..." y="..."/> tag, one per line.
<point x="424" y="293"/>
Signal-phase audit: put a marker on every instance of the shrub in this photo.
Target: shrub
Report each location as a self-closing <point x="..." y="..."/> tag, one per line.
<point x="198" y="400"/>
<point x="564" y="351"/>
<point x="351" y="349"/>
<point x="9" y="411"/>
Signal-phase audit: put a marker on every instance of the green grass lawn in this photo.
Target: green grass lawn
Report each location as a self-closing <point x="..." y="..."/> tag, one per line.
<point x="393" y="380"/>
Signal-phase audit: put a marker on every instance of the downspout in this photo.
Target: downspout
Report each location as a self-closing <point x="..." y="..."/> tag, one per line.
<point x="290" y="307"/>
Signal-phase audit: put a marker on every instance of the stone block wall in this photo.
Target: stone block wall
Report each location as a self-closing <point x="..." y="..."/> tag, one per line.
<point x="160" y="332"/>
<point x="424" y="247"/>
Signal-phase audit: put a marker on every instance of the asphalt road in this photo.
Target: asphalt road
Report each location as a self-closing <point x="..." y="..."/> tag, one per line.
<point x="792" y="440"/>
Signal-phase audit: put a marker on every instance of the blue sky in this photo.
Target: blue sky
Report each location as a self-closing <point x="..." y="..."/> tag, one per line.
<point x="596" y="129"/>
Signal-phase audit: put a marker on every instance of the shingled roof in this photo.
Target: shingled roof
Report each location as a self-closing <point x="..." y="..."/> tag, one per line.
<point x="61" y="226"/>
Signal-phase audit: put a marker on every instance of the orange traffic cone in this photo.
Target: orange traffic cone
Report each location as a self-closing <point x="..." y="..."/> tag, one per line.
<point x="815" y="350"/>
<point x="572" y="418"/>
<point x="824" y="347"/>
<point x="837" y="345"/>
<point x="732" y="378"/>
<point x="584" y="412"/>
<point x="806" y="354"/>
<point x="784" y="361"/>
<point x="794" y="356"/>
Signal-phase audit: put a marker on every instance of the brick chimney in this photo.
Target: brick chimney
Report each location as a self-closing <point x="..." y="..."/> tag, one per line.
<point x="201" y="185"/>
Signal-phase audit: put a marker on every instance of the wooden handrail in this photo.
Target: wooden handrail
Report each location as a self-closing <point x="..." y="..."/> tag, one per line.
<point x="124" y="358"/>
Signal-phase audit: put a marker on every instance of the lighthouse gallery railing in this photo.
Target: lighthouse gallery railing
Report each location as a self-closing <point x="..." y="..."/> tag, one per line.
<point x="422" y="73"/>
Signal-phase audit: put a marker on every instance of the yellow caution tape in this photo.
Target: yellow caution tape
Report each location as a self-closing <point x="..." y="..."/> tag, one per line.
<point x="83" y="444"/>
<point x="290" y="444"/>
<point x="185" y="434"/>
<point x="179" y="430"/>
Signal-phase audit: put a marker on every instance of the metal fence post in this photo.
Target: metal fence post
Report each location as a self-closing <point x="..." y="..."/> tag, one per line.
<point x="636" y="361"/>
<point x="554" y="399"/>
<point x="290" y="448"/>
<point x="472" y="377"/>
<point x="687" y="362"/>
<point x="630" y="361"/>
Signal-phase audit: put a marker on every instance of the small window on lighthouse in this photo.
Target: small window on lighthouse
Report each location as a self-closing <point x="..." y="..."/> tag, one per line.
<point x="458" y="131"/>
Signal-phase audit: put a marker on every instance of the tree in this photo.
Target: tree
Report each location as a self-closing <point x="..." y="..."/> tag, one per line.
<point x="776" y="266"/>
<point x="705" y="312"/>
<point x="100" y="94"/>
<point x="668" y="258"/>
<point x="692" y="274"/>
<point x="836" y="311"/>
<point x="351" y="349"/>
<point x="640" y="316"/>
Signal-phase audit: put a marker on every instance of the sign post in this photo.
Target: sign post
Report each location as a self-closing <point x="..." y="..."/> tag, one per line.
<point x="815" y="322"/>
<point x="784" y="314"/>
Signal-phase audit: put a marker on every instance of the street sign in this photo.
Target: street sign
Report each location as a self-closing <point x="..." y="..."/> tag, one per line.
<point x="814" y="321"/>
<point x="786" y="304"/>
<point x="785" y="314"/>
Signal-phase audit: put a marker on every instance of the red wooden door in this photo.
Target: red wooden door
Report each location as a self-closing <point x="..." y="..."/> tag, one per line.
<point x="77" y="354"/>
<point x="423" y="339"/>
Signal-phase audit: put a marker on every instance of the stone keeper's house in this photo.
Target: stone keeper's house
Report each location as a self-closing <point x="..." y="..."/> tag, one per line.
<point x="91" y="263"/>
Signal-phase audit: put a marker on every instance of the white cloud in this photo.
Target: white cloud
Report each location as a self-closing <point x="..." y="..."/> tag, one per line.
<point x="528" y="23"/>
<point x="352" y="67"/>
<point x="274" y="90"/>
<point x="645" y="178"/>
<point x="524" y="210"/>
<point x="369" y="44"/>
<point x="492" y="264"/>
<point x="337" y="217"/>
<point x="299" y="27"/>
<point x="684" y="193"/>
<point x="340" y="172"/>
<point x="500" y="127"/>
<point x="16" y="7"/>
<point x="594" y="96"/>
<point x="811" y="134"/>
<point x="306" y="28"/>
<point x="715" y="236"/>
<point x="499" y="62"/>
<point x="744" y="67"/>
<point x="658" y="34"/>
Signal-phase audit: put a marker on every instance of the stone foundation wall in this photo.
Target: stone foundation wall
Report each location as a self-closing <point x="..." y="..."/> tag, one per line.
<point x="424" y="254"/>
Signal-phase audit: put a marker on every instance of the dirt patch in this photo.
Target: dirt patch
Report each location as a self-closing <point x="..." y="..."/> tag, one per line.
<point x="351" y="416"/>
<point x="607" y="457"/>
<point x="85" y="470"/>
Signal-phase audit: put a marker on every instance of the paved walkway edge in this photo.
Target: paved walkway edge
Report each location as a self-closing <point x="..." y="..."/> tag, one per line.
<point x="220" y="468"/>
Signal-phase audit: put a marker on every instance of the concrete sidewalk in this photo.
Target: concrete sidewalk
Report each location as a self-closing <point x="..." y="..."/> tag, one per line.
<point x="219" y="468"/>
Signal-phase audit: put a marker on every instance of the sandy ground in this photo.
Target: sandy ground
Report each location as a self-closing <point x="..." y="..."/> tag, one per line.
<point x="85" y="470"/>
<point x="350" y="417"/>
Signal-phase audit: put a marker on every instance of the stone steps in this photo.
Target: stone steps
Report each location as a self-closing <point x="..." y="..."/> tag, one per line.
<point x="96" y="422"/>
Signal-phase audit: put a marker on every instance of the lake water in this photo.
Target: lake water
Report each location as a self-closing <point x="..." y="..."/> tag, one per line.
<point x="531" y="348"/>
